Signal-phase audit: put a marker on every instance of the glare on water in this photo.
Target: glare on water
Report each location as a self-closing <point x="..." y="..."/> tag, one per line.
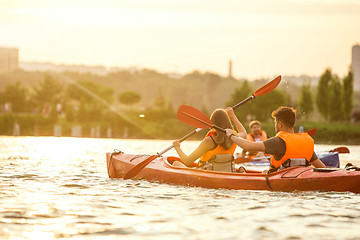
<point x="54" y="188"/>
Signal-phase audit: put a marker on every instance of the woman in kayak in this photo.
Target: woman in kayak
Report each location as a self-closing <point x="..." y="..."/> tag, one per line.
<point x="216" y="146"/>
<point x="287" y="148"/>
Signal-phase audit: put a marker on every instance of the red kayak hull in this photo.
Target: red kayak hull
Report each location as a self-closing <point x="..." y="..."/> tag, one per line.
<point x="290" y="179"/>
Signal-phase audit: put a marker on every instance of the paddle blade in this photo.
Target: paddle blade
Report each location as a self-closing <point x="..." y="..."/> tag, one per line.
<point x="312" y="131"/>
<point x="340" y="150"/>
<point x="268" y="87"/>
<point x="193" y="117"/>
<point x="137" y="168"/>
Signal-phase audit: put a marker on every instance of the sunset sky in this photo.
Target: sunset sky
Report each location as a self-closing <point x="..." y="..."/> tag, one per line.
<point x="262" y="37"/>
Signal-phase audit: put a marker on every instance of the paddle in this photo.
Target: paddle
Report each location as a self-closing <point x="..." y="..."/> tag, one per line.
<point x="312" y="131"/>
<point x="137" y="168"/>
<point x="340" y="150"/>
<point x="196" y="118"/>
<point x="261" y="91"/>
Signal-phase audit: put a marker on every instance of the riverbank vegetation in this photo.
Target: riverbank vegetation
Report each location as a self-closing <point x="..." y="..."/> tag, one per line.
<point x="143" y="104"/>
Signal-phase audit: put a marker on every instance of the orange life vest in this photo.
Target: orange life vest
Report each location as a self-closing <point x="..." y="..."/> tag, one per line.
<point x="298" y="145"/>
<point x="250" y="136"/>
<point x="217" y="150"/>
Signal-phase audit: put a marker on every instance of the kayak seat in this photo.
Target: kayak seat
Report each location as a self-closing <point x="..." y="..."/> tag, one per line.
<point x="220" y="163"/>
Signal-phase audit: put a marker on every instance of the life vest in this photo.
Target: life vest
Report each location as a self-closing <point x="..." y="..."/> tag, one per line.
<point x="250" y="137"/>
<point x="299" y="146"/>
<point x="217" y="150"/>
<point x="220" y="163"/>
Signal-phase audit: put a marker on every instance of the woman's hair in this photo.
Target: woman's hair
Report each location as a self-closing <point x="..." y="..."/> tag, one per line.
<point x="221" y="119"/>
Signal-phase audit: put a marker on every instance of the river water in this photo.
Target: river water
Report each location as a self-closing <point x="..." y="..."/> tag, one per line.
<point x="58" y="188"/>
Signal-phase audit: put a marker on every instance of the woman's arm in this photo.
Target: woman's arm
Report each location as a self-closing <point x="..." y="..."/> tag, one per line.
<point x="205" y="145"/>
<point x="239" y="127"/>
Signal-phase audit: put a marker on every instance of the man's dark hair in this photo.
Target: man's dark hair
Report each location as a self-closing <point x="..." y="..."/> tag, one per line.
<point x="286" y="115"/>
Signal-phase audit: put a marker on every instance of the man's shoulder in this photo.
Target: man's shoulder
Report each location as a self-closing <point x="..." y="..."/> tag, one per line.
<point x="275" y="146"/>
<point x="274" y="140"/>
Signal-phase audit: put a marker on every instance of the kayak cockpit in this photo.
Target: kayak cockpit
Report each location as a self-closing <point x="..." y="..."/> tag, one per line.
<point x="169" y="160"/>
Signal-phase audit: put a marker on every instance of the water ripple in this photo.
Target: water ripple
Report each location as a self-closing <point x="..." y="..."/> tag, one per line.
<point x="47" y="193"/>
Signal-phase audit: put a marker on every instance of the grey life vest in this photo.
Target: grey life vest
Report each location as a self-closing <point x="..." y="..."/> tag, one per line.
<point x="220" y="163"/>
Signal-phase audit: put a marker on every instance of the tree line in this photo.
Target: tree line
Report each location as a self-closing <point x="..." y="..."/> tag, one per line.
<point x="92" y="99"/>
<point x="334" y="97"/>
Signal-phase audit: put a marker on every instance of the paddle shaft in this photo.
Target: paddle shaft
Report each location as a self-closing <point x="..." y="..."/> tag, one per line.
<point x="243" y="102"/>
<point x="181" y="140"/>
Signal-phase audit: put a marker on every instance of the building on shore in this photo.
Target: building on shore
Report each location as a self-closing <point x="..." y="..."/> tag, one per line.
<point x="9" y="59"/>
<point x="355" y="66"/>
<point x="230" y="69"/>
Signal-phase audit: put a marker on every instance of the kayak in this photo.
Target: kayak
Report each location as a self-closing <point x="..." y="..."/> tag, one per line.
<point x="289" y="179"/>
<point x="330" y="159"/>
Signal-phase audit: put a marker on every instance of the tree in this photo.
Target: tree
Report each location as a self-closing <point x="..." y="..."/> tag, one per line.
<point x="91" y="93"/>
<point x="237" y="96"/>
<point x="49" y="90"/>
<point x="306" y="101"/>
<point x="322" y="98"/>
<point x="129" y="97"/>
<point x="335" y="97"/>
<point x="348" y="93"/>
<point x="92" y="98"/>
<point x="264" y="105"/>
<point x="69" y="113"/>
<point x="53" y="112"/>
<point x="159" y="100"/>
<point x="82" y="112"/>
<point x="17" y="95"/>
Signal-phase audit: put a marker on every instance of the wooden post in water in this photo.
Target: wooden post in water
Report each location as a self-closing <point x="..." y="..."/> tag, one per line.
<point x="109" y="132"/>
<point x="76" y="131"/>
<point x="57" y="130"/>
<point x="16" y="129"/>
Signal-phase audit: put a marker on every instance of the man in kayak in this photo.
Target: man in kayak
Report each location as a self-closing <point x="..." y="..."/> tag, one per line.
<point x="256" y="135"/>
<point x="287" y="148"/>
<point x="215" y="144"/>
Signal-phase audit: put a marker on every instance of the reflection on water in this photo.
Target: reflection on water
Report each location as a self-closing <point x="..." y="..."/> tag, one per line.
<point x="55" y="188"/>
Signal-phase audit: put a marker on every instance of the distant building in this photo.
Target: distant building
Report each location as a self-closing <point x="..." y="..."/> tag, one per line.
<point x="9" y="59"/>
<point x="52" y="67"/>
<point x="230" y="69"/>
<point x="355" y="66"/>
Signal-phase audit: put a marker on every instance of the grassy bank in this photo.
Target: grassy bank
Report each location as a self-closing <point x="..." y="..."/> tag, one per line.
<point x="156" y="124"/>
